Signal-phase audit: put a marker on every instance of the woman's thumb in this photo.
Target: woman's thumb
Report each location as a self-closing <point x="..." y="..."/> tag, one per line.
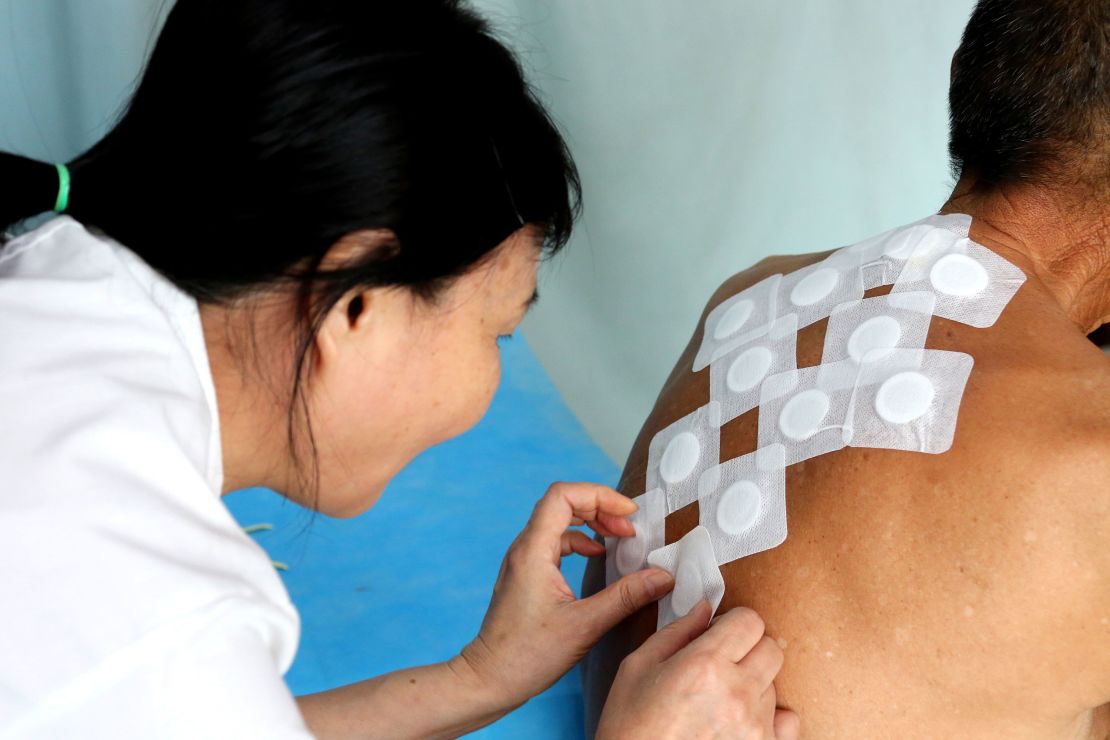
<point x="608" y="608"/>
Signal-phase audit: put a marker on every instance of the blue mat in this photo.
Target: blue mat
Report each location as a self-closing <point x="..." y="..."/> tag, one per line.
<point x="408" y="582"/>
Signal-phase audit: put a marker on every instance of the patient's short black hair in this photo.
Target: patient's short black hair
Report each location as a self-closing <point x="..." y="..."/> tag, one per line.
<point x="1030" y="94"/>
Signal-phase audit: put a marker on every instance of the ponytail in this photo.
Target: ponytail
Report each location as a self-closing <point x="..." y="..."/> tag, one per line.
<point x="28" y="188"/>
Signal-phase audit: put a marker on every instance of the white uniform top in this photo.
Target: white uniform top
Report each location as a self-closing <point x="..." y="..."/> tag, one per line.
<point x="131" y="603"/>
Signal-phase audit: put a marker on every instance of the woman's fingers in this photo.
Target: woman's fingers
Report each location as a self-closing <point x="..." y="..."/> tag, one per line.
<point x="608" y="525"/>
<point x="696" y="679"/>
<point x="732" y="634"/>
<point x="676" y="635"/>
<point x="764" y="662"/>
<point x="564" y="503"/>
<point x="575" y="541"/>
<point x="607" y="608"/>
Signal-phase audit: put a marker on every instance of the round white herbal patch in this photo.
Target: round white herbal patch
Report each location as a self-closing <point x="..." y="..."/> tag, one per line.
<point x="631" y="552"/>
<point x="814" y="286"/>
<point x="687" y="588"/>
<point x="739" y="507"/>
<point x="680" y="458"/>
<point x="959" y="275"/>
<point x="734" y="319"/>
<point x="802" y="415"/>
<point x="748" y="369"/>
<point x="904" y="397"/>
<point x="877" y="333"/>
<point x="903" y="243"/>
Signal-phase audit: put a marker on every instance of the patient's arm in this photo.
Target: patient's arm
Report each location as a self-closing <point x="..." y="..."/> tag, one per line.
<point x="957" y="595"/>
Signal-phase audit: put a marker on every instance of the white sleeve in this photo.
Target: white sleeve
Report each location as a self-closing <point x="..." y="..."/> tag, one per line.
<point x="205" y="677"/>
<point x="226" y="685"/>
<point x="134" y="604"/>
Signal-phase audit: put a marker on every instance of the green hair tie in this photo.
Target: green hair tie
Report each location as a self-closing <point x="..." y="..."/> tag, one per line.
<point x="62" y="202"/>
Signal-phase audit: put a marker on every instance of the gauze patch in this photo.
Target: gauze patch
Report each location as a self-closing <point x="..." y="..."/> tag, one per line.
<point x="738" y="320"/>
<point x="882" y="257"/>
<point x="955" y="223"/>
<point x="624" y="555"/>
<point x="877" y="387"/>
<point x="735" y="378"/>
<point x="680" y="453"/>
<point x="873" y="328"/>
<point x="909" y="400"/>
<point x="742" y="503"/>
<point x="973" y="285"/>
<point x="696" y="576"/>
<point x="874" y="268"/>
<point x="804" y="411"/>
<point x="812" y="292"/>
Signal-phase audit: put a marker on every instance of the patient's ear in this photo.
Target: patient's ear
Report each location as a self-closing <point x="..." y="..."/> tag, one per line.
<point x="351" y="314"/>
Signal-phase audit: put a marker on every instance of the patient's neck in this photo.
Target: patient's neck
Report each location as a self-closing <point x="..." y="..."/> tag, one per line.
<point x="1064" y="242"/>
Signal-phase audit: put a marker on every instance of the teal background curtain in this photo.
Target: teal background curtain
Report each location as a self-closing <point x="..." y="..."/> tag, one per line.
<point x="709" y="134"/>
<point x="66" y="67"/>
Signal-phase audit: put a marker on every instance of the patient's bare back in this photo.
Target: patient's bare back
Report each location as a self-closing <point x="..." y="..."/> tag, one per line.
<point x="927" y="586"/>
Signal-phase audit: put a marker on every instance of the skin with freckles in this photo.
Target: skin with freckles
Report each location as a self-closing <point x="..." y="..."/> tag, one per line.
<point x="965" y="594"/>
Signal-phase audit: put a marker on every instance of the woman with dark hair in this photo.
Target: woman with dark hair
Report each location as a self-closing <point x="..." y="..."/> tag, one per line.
<point x="289" y="265"/>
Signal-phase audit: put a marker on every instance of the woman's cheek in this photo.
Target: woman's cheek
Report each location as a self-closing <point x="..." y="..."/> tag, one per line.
<point x="468" y="388"/>
<point x="485" y="385"/>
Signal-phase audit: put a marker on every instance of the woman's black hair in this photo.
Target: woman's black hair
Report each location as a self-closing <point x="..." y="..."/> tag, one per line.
<point x="264" y="131"/>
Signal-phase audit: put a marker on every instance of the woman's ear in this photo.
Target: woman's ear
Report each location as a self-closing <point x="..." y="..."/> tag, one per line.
<point x="345" y="319"/>
<point x="352" y="311"/>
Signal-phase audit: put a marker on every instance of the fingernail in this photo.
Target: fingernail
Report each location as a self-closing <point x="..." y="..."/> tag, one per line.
<point x="658" y="582"/>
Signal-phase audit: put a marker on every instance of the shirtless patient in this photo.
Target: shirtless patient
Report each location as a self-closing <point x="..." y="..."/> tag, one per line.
<point x="963" y="594"/>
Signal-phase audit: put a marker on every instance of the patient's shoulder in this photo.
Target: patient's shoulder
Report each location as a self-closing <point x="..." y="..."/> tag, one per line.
<point x="765" y="268"/>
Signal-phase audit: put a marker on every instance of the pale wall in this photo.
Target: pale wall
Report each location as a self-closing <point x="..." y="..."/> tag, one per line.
<point x="709" y="134"/>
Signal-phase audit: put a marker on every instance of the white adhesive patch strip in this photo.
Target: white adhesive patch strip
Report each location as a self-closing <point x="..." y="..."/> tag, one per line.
<point x="873" y="328"/>
<point x="909" y="400"/>
<point x="680" y="453"/>
<point x="804" y="411"/>
<point x="696" y="576"/>
<point x="745" y="316"/>
<point x="742" y="503"/>
<point x="735" y="378"/>
<point x="882" y="257"/>
<point x="956" y="223"/>
<point x="877" y="387"/>
<point x="624" y="555"/>
<point x="812" y="292"/>
<point x="973" y="285"/>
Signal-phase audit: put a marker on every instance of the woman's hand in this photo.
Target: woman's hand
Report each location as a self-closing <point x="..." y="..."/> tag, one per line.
<point x="535" y="629"/>
<point x="678" y="684"/>
<point x="696" y="680"/>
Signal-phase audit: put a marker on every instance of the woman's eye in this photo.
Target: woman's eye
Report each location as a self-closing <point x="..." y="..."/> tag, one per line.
<point x="504" y="338"/>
